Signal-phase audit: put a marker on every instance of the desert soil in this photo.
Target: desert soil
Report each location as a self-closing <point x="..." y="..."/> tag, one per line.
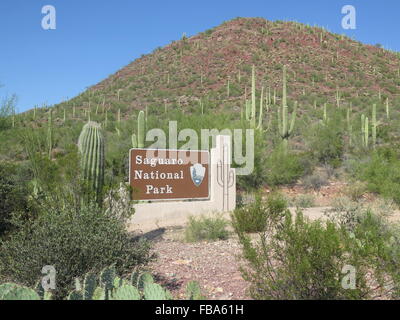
<point x="216" y="265"/>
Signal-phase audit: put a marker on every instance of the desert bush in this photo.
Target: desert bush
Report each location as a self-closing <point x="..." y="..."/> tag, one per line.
<point x="282" y="168"/>
<point x="258" y="176"/>
<point x="74" y="242"/>
<point x="7" y="109"/>
<point x="356" y="190"/>
<point x="254" y="216"/>
<point x="315" y="181"/>
<point x="381" y="173"/>
<point x="326" y="142"/>
<point x="304" y="201"/>
<point x="345" y="212"/>
<point x="206" y="228"/>
<point x="299" y="259"/>
<point x="14" y="192"/>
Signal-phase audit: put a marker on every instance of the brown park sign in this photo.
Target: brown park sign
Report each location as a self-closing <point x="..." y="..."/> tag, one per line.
<point x="159" y="174"/>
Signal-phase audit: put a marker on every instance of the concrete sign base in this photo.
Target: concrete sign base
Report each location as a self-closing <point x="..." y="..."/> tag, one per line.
<point x="154" y="215"/>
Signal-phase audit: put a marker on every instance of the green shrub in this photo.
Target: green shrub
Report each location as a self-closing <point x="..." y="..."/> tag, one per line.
<point x="299" y="259"/>
<point x="73" y="241"/>
<point x="254" y="216"/>
<point x="14" y="193"/>
<point x="206" y="228"/>
<point x="381" y="173"/>
<point x="315" y="181"/>
<point x="258" y="176"/>
<point x="282" y="168"/>
<point x="304" y="201"/>
<point x="326" y="142"/>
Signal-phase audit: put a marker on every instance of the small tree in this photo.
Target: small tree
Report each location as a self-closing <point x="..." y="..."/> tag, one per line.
<point x="7" y="110"/>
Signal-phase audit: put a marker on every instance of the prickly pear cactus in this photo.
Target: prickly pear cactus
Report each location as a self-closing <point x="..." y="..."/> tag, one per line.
<point x="145" y="278"/>
<point x="99" y="294"/>
<point x="75" y="295"/>
<point x="126" y="292"/>
<point x="107" y="280"/>
<point x="10" y="291"/>
<point x="153" y="291"/>
<point x="5" y="288"/>
<point x="89" y="286"/>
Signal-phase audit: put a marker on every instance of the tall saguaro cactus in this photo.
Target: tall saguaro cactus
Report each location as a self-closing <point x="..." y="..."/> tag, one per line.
<point x="91" y="146"/>
<point x="365" y="130"/>
<point x="285" y="129"/>
<point x="50" y="133"/>
<point x="138" y="140"/>
<point x="374" y="125"/>
<point x="387" y="109"/>
<point x="253" y="96"/>
<point x="349" y="126"/>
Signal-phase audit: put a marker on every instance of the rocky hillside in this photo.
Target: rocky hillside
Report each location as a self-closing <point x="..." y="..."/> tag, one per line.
<point x="321" y="67"/>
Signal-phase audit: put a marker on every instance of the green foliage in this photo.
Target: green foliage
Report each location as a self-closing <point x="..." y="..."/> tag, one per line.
<point x="14" y="193"/>
<point x="299" y="259"/>
<point x="10" y="291"/>
<point x="74" y="242"/>
<point x="193" y="291"/>
<point x="111" y="287"/>
<point x="381" y="172"/>
<point x="326" y="141"/>
<point x="7" y="112"/>
<point x="283" y="167"/>
<point x="285" y="128"/>
<point x="304" y="201"/>
<point x="254" y="217"/>
<point x="206" y="228"/>
<point x="315" y="180"/>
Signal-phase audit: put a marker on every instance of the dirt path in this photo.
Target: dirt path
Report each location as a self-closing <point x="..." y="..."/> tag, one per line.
<point x="215" y="265"/>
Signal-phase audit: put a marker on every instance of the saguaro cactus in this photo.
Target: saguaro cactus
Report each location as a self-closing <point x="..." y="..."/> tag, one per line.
<point x="253" y="96"/>
<point x="349" y="126"/>
<point x="387" y="109"/>
<point x="374" y="125"/>
<point x="285" y="129"/>
<point x="91" y="146"/>
<point x="337" y="97"/>
<point x="260" y="115"/>
<point x="50" y="133"/>
<point x="325" y="118"/>
<point x="138" y="140"/>
<point x="365" y="130"/>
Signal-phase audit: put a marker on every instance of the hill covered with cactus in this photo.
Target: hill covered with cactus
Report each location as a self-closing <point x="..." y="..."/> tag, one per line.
<point x="336" y="92"/>
<point x="215" y="67"/>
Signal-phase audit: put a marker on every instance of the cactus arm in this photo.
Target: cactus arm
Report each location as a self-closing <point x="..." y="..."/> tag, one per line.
<point x="134" y="141"/>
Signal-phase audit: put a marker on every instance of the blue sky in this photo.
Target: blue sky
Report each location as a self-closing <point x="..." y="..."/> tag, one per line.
<point x="95" y="38"/>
